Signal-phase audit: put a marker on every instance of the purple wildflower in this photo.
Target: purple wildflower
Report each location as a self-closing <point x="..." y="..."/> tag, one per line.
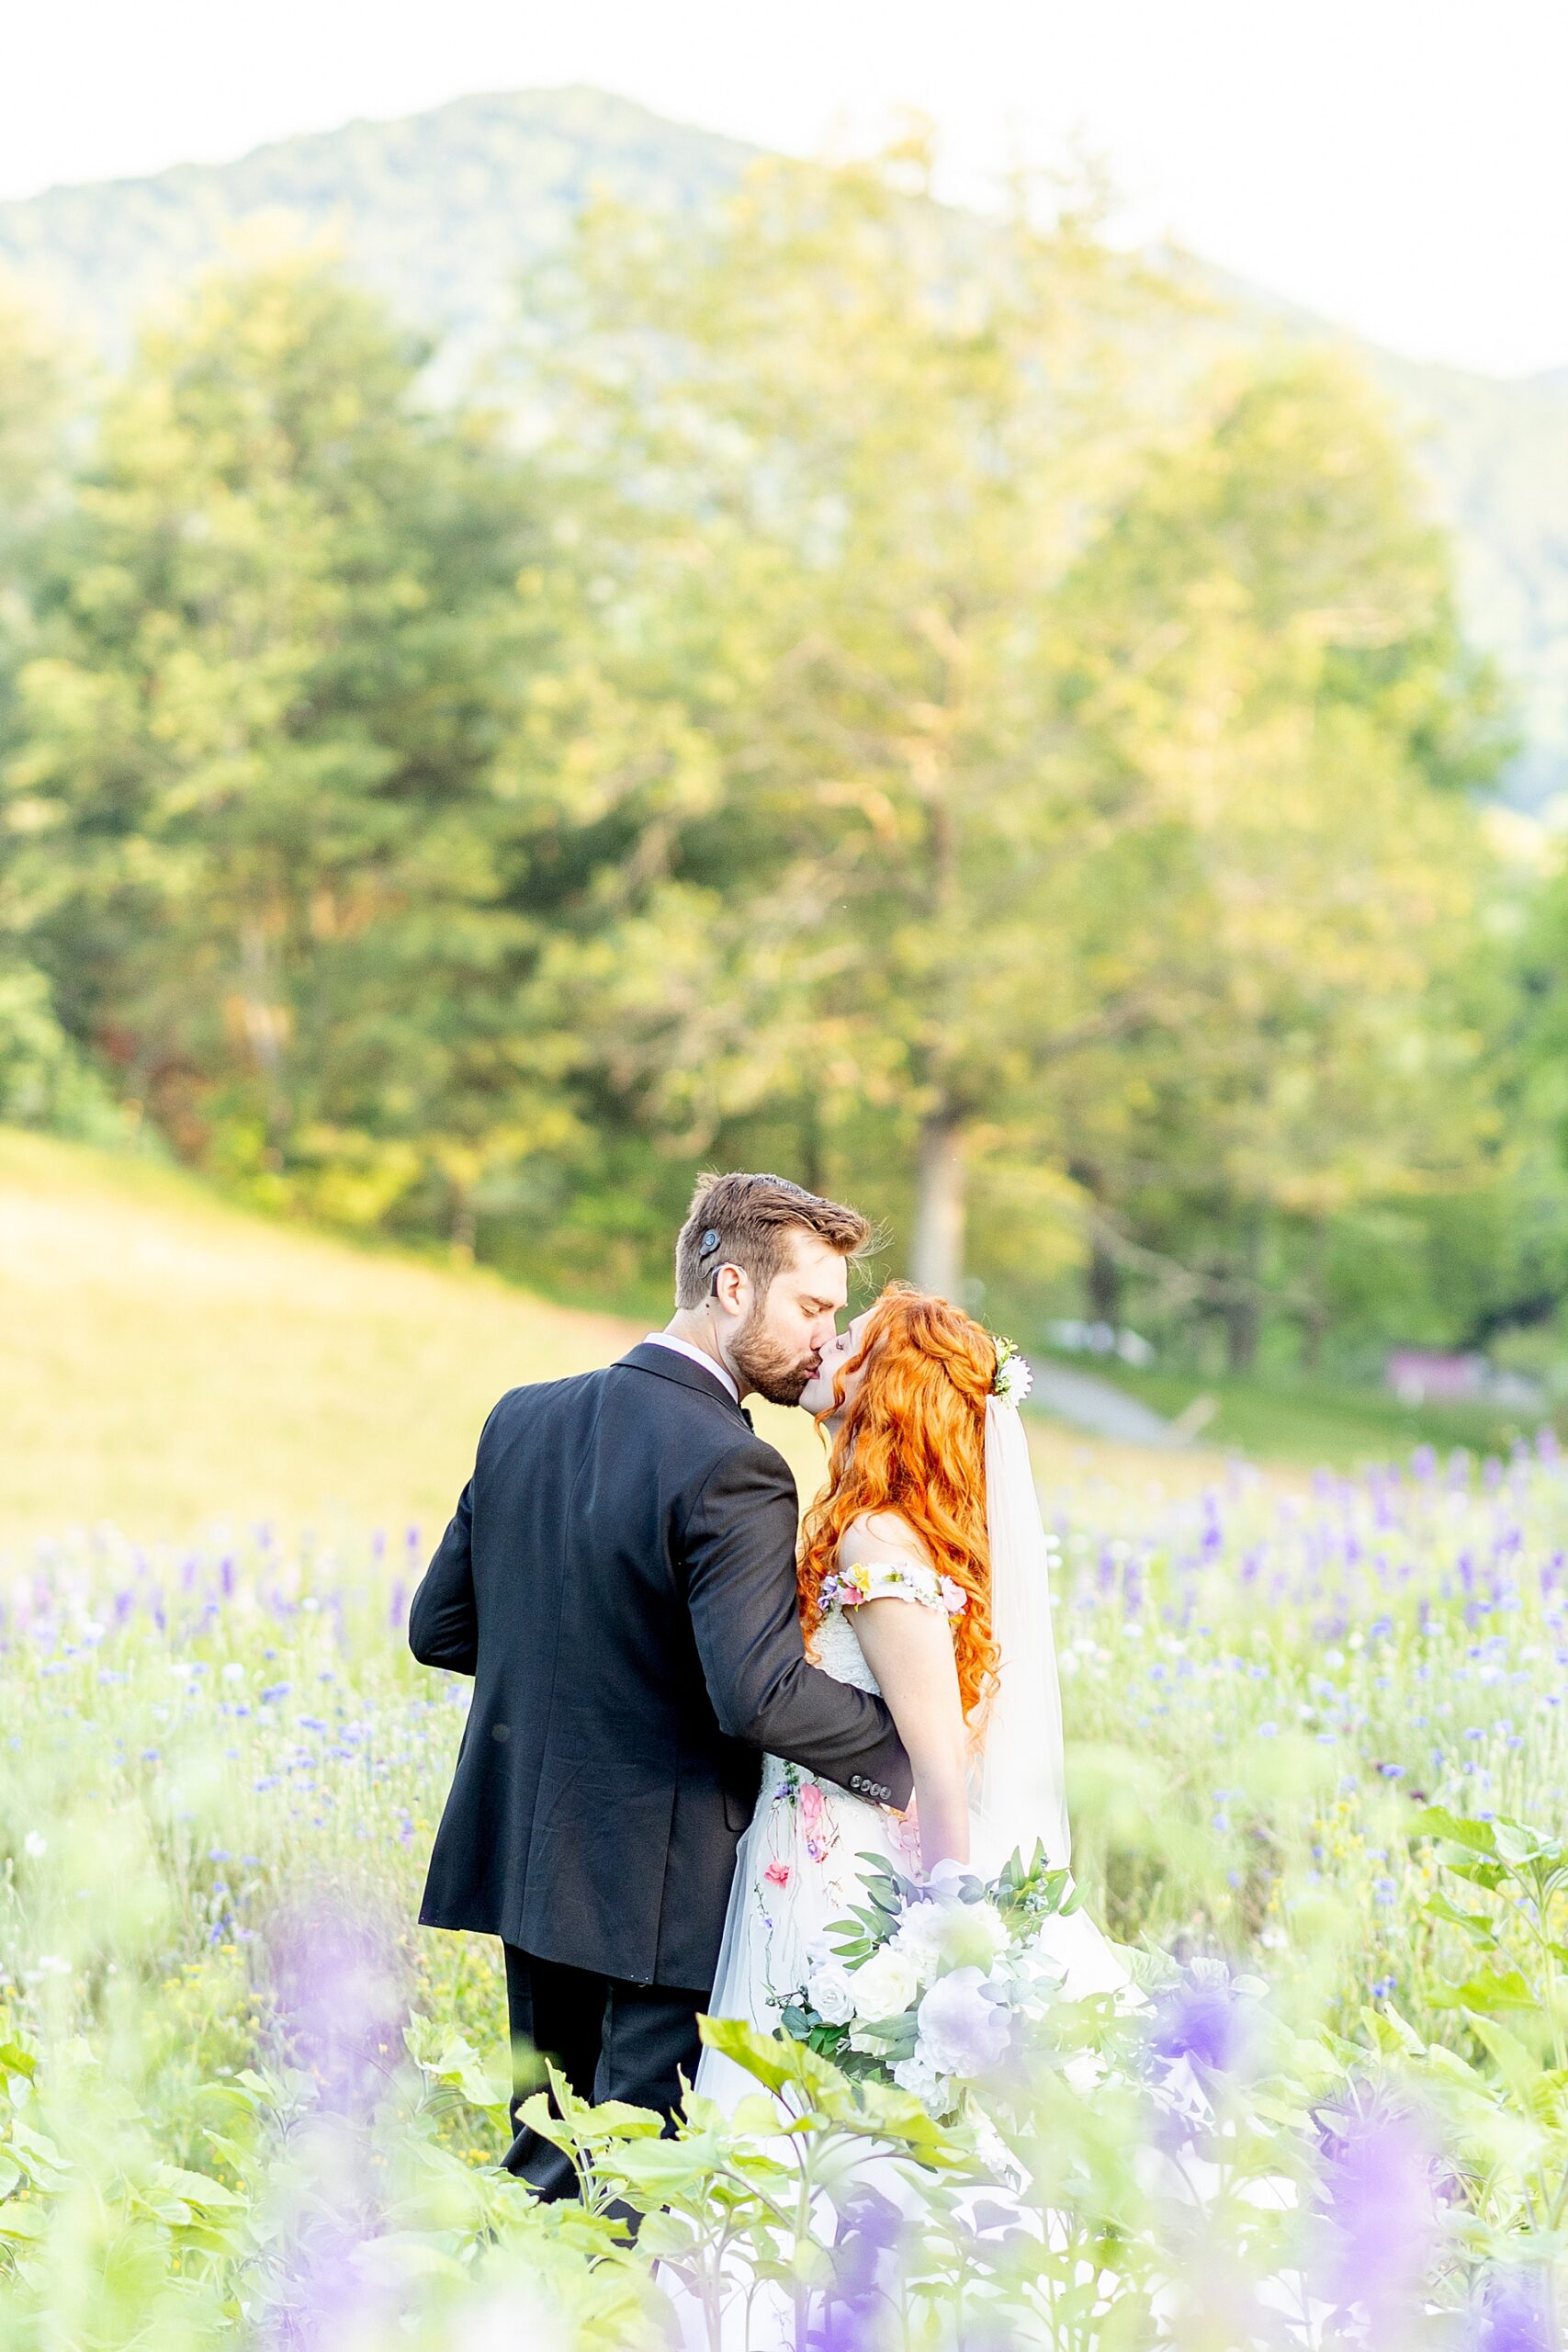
<point x="1201" y="2021"/>
<point x="1376" y="2201"/>
<point x="865" y="2259"/>
<point x="338" y="2001"/>
<point x="1514" y="2316"/>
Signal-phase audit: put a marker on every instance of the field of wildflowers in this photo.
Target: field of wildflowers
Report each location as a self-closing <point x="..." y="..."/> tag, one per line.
<point x="1319" y="1761"/>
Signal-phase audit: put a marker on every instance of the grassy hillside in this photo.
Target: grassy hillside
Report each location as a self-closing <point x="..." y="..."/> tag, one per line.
<point x="168" y="1362"/>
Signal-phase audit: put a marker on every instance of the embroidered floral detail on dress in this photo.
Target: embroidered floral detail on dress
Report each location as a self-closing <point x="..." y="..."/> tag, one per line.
<point x="815" y="1825"/>
<point x="902" y="1579"/>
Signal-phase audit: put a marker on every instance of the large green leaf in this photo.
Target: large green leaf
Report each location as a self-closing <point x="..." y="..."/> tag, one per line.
<point x="1519" y="2066"/>
<point x="198" y="2189"/>
<point x="1518" y="1844"/>
<point x="763" y="2056"/>
<point x="661" y="2169"/>
<point x="1476" y="1923"/>
<point x="1487" y="1992"/>
<point x="1461" y="1830"/>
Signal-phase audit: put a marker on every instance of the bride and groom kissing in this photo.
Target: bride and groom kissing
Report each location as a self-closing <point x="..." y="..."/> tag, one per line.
<point x="692" y="1720"/>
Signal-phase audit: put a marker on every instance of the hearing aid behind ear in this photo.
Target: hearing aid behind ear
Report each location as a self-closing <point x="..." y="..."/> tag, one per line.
<point x="710" y="1241"/>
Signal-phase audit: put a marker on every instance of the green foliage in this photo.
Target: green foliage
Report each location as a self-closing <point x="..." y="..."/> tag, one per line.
<point x="440" y="213"/>
<point x="965" y="757"/>
<point x="255" y="813"/>
<point x="1265" y="637"/>
<point x="1014" y="750"/>
<point x="44" y="1082"/>
<point x="1281" y="1416"/>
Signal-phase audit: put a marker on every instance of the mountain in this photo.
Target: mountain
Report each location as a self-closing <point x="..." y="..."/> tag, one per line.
<point x="438" y="213"/>
<point x="441" y="211"/>
<point x="1495" y="453"/>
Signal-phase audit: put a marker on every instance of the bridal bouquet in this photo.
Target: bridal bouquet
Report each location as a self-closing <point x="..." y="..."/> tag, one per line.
<point x="929" y="1985"/>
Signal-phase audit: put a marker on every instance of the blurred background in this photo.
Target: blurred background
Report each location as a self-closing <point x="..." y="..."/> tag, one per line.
<point x="976" y="612"/>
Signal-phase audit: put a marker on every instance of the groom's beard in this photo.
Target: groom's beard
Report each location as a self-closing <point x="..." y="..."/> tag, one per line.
<point x="767" y="1367"/>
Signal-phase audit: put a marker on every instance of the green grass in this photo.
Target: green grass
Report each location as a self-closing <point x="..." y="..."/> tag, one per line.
<point x="170" y="1361"/>
<point x="1290" y="1418"/>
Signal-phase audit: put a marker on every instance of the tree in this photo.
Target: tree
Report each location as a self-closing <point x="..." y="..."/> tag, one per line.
<point x="1063" y="757"/>
<point x="1265" y="633"/>
<point x="834" y="456"/>
<point x="42" y="1081"/>
<point x="255" y="808"/>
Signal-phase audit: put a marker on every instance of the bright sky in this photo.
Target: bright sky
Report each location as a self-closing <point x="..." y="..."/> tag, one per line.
<point x="1399" y="165"/>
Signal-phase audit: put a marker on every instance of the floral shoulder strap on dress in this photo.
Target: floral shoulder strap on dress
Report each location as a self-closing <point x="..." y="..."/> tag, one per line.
<point x="893" y="1580"/>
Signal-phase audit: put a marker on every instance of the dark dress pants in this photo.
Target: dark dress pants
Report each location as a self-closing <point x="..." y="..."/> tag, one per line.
<point x="610" y="2041"/>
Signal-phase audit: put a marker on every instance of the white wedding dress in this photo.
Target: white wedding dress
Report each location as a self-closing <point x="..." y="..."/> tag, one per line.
<point x="799" y="1871"/>
<point x="799" y="1866"/>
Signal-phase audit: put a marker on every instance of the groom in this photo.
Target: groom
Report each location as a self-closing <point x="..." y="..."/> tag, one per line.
<point x="619" y="1580"/>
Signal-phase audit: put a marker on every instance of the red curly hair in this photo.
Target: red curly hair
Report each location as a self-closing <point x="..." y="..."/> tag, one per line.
<point x="914" y="1442"/>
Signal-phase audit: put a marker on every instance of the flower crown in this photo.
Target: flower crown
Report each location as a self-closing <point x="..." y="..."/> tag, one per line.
<point x="1013" y="1378"/>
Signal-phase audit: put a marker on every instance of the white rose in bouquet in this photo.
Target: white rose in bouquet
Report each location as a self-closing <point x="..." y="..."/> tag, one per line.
<point x="918" y="1937"/>
<point x="964" y="2031"/>
<point x="830" y="1989"/>
<point x="919" y="2078"/>
<point x="971" y="1934"/>
<point x="883" y="1985"/>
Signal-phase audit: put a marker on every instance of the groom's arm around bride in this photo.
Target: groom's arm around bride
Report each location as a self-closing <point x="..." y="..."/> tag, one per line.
<point x="619" y="1579"/>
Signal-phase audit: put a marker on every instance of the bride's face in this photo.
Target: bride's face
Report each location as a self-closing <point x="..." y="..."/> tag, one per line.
<point x="817" y="1396"/>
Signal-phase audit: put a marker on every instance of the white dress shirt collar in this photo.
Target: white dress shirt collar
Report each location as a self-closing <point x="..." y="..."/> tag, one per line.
<point x="694" y="1355"/>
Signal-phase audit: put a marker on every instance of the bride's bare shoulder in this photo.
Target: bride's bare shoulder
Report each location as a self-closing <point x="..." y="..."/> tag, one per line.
<point x="880" y="1535"/>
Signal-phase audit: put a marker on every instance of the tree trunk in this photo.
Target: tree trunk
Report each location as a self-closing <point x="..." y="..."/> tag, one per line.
<point x="1315" y="1315"/>
<point x="811" y="1154"/>
<point x="264" y="1025"/>
<point x="1102" y="1285"/>
<point x="1242" y="1324"/>
<point x="1102" y="1275"/>
<point x="1244" y="1310"/>
<point x="937" y="1258"/>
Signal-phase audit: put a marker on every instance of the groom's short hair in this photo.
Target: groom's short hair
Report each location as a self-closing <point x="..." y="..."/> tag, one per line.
<point x="746" y="1221"/>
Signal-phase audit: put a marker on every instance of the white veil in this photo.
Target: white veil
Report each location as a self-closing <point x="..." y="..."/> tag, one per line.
<point x="1019" y="1791"/>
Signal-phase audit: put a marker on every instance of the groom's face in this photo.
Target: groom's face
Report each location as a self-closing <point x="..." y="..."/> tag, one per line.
<point x="780" y="1344"/>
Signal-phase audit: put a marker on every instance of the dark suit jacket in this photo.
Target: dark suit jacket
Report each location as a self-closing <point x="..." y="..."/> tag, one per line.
<point x="619" y="1580"/>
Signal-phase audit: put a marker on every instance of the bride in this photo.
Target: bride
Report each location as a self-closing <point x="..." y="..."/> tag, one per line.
<point x="923" y="1574"/>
